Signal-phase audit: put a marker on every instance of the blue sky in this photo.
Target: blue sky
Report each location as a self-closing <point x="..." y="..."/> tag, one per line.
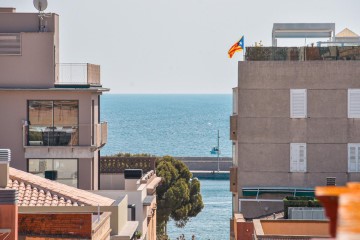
<point x="177" y="46"/>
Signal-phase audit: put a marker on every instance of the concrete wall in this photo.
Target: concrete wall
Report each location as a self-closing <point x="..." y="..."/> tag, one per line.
<point x="24" y="22"/>
<point x="206" y="163"/>
<point x="295" y="227"/>
<point x="265" y="129"/>
<point x="35" y="67"/>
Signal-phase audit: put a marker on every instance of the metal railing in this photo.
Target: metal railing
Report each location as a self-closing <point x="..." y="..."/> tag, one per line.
<point x="42" y="135"/>
<point x="78" y="74"/>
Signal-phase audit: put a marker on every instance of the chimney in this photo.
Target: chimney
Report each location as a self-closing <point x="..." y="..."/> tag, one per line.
<point x="132" y="177"/>
<point x="5" y="157"/>
<point x="8" y="214"/>
<point x="8" y="200"/>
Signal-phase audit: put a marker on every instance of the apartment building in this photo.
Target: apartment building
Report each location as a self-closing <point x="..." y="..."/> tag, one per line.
<point x="295" y="122"/>
<point x="49" y="111"/>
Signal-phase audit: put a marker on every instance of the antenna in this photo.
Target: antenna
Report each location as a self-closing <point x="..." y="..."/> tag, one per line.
<point x="41" y="5"/>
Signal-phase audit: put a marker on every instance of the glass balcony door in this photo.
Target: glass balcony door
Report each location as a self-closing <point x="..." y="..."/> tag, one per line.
<point x="53" y="123"/>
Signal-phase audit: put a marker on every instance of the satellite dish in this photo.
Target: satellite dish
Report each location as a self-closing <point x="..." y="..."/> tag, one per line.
<point x="40" y="5"/>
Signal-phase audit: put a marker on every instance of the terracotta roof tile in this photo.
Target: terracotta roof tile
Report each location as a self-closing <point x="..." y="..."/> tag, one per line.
<point x="37" y="191"/>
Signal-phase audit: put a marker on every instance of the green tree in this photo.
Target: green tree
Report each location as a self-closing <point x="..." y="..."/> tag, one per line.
<point x="178" y="196"/>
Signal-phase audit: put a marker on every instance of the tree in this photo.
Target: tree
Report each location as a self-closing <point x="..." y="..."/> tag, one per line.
<point x="178" y="196"/>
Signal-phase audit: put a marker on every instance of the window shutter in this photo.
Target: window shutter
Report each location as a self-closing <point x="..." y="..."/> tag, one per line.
<point x="293" y="157"/>
<point x="302" y="158"/>
<point x="298" y="157"/>
<point x="298" y="103"/>
<point x="358" y="159"/>
<point x="352" y="158"/>
<point x="354" y="103"/>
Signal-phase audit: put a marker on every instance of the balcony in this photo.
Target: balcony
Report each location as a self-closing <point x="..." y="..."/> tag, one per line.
<point x="79" y="141"/>
<point x="79" y="75"/>
<point x="233" y="180"/>
<point x="233" y="127"/>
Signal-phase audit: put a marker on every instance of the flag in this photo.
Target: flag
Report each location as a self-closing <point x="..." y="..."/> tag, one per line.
<point x="237" y="47"/>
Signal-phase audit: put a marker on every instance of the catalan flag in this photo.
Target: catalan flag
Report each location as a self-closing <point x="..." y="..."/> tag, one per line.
<point x="237" y="47"/>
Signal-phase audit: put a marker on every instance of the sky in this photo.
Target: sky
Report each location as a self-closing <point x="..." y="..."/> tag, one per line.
<point x="177" y="46"/>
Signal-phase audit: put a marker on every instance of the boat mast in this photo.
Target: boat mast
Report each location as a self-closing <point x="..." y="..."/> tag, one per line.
<point x="218" y="150"/>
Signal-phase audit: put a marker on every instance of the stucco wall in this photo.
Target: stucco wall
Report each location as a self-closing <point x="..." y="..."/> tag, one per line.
<point x="265" y="129"/>
<point x="13" y="108"/>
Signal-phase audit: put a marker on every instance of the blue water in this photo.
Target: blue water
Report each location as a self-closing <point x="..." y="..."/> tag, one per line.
<point x="177" y="125"/>
<point x="213" y="222"/>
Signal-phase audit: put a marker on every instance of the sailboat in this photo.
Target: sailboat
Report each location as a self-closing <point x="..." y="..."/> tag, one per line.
<point x="216" y="151"/>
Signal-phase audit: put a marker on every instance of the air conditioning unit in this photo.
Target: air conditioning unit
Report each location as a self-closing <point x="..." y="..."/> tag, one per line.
<point x="5" y="155"/>
<point x="331" y="181"/>
<point x="306" y="213"/>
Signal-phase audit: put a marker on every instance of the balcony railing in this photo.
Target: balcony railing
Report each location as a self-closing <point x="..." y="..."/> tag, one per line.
<point x="78" y="74"/>
<point x="42" y="135"/>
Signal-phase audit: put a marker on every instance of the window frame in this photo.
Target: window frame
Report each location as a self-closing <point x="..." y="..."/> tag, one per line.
<point x="53" y="125"/>
<point x="53" y="159"/>
<point x="357" y="157"/>
<point x="293" y="91"/>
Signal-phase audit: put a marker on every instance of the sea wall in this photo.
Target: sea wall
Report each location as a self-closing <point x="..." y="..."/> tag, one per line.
<point x="206" y="163"/>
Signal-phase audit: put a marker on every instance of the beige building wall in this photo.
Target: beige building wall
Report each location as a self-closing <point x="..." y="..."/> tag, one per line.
<point x="34" y="67"/>
<point x="13" y="106"/>
<point x="265" y="129"/>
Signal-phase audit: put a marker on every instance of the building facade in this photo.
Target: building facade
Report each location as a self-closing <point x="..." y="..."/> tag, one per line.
<point x="295" y="124"/>
<point x="50" y="111"/>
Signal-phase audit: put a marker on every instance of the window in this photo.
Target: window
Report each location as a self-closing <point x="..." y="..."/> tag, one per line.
<point x="354" y="103"/>
<point x="354" y="157"/>
<point x="53" y="123"/>
<point x="298" y="103"/>
<point x="297" y="157"/>
<point x="61" y="170"/>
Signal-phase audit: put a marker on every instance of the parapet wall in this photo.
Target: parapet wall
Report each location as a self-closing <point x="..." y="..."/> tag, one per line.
<point x="302" y="53"/>
<point x="206" y="163"/>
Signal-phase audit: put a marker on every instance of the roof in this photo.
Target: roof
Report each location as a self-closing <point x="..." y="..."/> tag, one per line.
<point x="303" y="30"/>
<point x="37" y="191"/>
<point x="347" y="33"/>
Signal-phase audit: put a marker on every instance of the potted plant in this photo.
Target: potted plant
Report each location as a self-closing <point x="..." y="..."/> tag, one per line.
<point x="138" y="234"/>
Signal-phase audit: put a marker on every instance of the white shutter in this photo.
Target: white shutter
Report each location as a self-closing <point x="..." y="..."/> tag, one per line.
<point x="293" y="157"/>
<point x="298" y="103"/>
<point x="302" y="158"/>
<point x="352" y="157"/>
<point x="354" y="103"/>
<point x="358" y="159"/>
<point x="297" y="157"/>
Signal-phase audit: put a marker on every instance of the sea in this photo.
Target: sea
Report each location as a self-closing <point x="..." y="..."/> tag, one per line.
<point x="176" y="125"/>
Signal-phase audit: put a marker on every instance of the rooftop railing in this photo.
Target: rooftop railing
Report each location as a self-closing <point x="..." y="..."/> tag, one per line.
<point x="78" y="74"/>
<point x="119" y="164"/>
<point x="302" y="53"/>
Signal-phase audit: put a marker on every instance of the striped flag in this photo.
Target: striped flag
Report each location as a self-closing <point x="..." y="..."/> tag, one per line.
<point x="237" y="47"/>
